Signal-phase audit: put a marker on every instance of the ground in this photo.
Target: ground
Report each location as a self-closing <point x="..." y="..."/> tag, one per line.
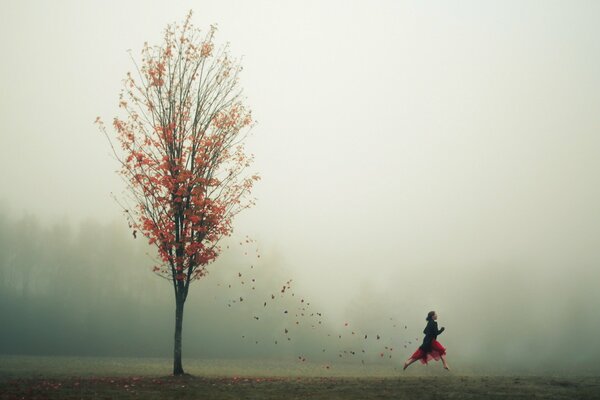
<point x="105" y="378"/>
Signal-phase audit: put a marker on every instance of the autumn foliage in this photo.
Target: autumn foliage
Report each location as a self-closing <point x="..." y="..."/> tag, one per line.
<point x="182" y="138"/>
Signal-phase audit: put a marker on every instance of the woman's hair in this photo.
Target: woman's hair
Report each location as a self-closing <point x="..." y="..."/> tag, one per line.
<point x="429" y="315"/>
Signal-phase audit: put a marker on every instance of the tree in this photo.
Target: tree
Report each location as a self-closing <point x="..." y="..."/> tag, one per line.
<point x="184" y="160"/>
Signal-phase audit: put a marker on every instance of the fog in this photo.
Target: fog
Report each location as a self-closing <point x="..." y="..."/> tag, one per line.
<point x="414" y="157"/>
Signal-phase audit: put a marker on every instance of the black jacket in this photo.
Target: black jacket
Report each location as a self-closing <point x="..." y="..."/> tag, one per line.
<point x="431" y="331"/>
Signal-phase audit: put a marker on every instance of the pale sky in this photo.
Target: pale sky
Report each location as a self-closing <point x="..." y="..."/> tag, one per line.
<point x="400" y="144"/>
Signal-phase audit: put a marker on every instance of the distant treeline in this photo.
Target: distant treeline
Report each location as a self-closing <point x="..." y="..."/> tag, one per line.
<point x="89" y="290"/>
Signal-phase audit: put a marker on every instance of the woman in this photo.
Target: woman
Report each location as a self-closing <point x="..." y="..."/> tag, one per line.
<point x="431" y="348"/>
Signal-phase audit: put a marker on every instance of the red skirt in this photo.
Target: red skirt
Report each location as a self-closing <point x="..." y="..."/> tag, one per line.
<point x="436" y="351"/>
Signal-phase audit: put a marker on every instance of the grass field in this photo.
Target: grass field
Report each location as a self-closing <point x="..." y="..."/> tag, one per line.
<point x="23" y="377"/>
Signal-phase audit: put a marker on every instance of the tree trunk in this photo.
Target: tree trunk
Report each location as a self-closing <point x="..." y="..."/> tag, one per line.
<point x="177" y="367"/>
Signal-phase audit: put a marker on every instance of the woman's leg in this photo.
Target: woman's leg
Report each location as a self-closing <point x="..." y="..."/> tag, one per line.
<point x="408" y="362"/>
<point x="443" y="357"/>
<point x="441" y="350"/>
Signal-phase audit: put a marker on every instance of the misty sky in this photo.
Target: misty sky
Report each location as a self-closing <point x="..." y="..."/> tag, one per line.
<point x="406" y="149"/>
